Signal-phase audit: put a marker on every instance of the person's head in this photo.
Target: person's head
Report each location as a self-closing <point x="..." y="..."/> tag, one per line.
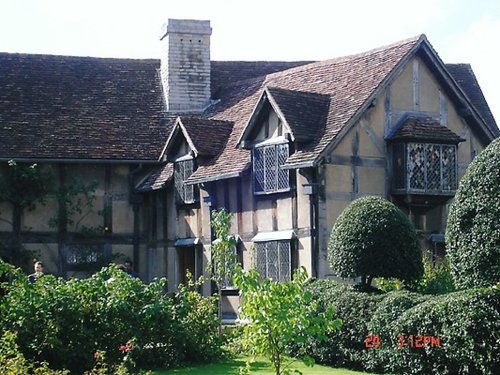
<point x="129" y="265"/>
<point x="38" y="266"/>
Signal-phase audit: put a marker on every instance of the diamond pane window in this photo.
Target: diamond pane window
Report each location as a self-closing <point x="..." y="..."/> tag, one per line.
<point x="430" y="168"/>
<point x="274" y="260"/>
<point x="185" y="194"/>
<point x="269" y="176"/>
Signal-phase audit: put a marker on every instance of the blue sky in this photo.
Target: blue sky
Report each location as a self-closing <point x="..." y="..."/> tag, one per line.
<point x="460" y="30"/>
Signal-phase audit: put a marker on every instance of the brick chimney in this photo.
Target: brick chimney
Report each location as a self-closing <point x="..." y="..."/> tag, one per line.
<point x="185" y="65"/>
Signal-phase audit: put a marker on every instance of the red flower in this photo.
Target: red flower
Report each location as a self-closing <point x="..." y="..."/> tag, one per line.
<point x="127" y="347"/>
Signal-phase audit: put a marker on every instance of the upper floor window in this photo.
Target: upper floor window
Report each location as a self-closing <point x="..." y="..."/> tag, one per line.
<point x="269" y="176"/>
<point x="183" y="168"/>
<point x="425" y="167"/>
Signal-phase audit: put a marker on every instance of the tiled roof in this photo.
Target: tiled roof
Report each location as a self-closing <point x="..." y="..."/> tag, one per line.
<point x="349" y="81"/>
<point x="157" y="178"/>
<point x="304" y="112"/>
<point x="423" y="129"/>
<point x="466" y="79"/>
<point x="225" y="73"/>
<point x="208" y="136"/>
<point x="61" y="107"/>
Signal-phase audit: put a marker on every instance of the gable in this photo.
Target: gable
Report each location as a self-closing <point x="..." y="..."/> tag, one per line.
<point x="421" y="90"/>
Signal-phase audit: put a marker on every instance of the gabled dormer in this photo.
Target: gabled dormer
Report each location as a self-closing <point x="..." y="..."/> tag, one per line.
<point x="281" y="123"/>
<point x="193" y="141"/>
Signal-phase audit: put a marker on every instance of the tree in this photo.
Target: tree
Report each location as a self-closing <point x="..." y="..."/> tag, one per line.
<point x="473" y="228"/>
<point x="223" y="261"/>
<point x="280" y="316"/>
<point x="222" y="249"/>
<point x="373" y="238"/>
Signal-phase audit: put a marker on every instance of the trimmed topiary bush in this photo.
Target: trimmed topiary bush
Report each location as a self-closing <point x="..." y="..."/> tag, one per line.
<point x="473" y="229"/>
<point x="373" y="238"/>
<point x="382" y="325"/>
<point x="462" y="330"/>
<point x="346" y="346"/>
<point x="407" y="333"/>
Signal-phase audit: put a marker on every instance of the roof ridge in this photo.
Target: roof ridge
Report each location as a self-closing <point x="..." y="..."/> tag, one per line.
<point x="51" y="55"/>
<point x="345" y="58"/>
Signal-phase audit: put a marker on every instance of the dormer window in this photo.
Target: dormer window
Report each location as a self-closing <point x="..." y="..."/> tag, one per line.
<point x="183" y="169"/>
<point x="268" y="160"/>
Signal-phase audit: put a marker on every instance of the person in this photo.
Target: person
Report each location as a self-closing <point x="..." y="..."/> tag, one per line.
<point x="129" y="268"/>
<point x="38" y="268"/>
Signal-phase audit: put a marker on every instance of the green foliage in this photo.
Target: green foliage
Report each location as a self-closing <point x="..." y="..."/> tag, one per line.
<point x="222" y="249"/>
<point x="24" y="185"/>
<point x="373" y="238"/>
<point x="66" y="323"/>
<point x="437" y="278"/>
<point x="280" y="315"/>
<point x="467" y="324"/>
<point x="473" y="228"/>
<point x="344" y="347"/>
<point x="197" y="316"/>
<point x="13" y="362"/>
<point x="75" y="198"/>
<point x="382" y="324"/>
<point x="388" y="284"/>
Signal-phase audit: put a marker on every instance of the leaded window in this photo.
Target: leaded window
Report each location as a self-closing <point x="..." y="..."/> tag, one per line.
<point x="430" y="168"/>
<point x="269" y="176"/>
<point x="185" y="194"/>
<point x="273" y="260"/>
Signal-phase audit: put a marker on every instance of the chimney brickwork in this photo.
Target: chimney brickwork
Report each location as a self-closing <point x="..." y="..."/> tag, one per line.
<point x="185" y="65"/>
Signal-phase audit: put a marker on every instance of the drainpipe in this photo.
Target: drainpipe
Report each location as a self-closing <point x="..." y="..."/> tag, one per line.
<point x="136" y="200"/>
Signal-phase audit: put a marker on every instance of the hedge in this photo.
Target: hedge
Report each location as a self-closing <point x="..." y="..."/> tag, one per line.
<point x="455" y="333"/>
<point x="473" y="228"/>
<point x="344" y="347"/>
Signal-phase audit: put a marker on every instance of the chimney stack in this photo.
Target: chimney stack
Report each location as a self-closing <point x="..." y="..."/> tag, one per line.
<point x="185" y="65"/>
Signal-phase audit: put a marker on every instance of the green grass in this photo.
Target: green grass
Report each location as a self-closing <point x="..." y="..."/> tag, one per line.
<point x="260" y="367"/>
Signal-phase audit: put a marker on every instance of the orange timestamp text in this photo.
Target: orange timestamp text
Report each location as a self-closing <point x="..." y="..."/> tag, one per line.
<point x="411" y="341"/>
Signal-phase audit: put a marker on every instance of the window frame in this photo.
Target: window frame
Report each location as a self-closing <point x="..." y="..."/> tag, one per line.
<point x="84" y="257"/>
<point x="421" y="164"/>
<point x="276" y="171"/>
<point x="181" y="191"/>
<point x="264" y="245"/>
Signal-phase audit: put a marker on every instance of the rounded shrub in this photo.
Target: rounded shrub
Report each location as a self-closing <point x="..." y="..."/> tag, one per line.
<point x="373" y="238"/>
<point x="473" y="229"/>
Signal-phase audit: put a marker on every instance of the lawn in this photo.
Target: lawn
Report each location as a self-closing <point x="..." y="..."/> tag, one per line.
<point x="260" y="367"/>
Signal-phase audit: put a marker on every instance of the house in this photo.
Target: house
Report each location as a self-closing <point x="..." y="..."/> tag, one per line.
<point x="284" y="146"/>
